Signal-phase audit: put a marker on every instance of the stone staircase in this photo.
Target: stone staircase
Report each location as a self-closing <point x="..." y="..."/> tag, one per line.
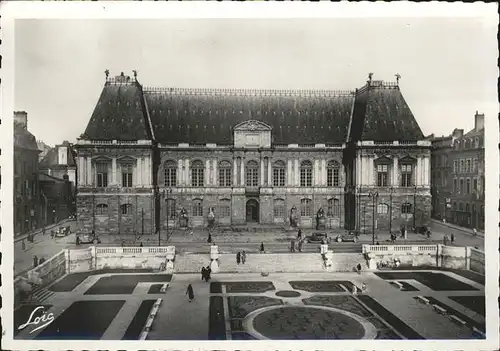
<point x="190" y="263"/>
<point x="346" y="262"/>
<point x="273" y="263"/>
<point x="40" y="294"/>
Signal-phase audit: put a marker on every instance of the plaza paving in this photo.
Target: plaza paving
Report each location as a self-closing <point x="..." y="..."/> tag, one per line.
<point x="112" y="306"/>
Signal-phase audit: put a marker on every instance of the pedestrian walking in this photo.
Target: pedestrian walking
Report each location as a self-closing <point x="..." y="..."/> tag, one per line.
<point x="203" y="273"/>
<point x="238" y="257"/>
<point x="474" y="232"/>
<point x="358" y="268"/>
<point x="209" y="240"/>
<point x="299" y="234"/>
<point x="292" y="246"/>
<point x="23" y="245"/>
<point x="354" y="289"/>
<point x="141" y="244"/>
<point x="300" y="245"/>
<point x="52" y="233"/>
<point x="42" y="260"/>
<point x="452" y="238"/>
<point x="262" y="247"/>
<point x="208" y="272"/>
<point x="445" y="239"/>
<point x="43" y="231"/>
<point x="243" y="257"/>
<point x="190" y="292"/>
<point x="363" y="288"/>
<point x="35" y="261"/>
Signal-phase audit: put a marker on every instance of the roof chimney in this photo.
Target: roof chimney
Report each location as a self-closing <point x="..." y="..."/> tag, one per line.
<point x="478" y="121"/>
<point x="21" y="117"/>
<point x="457" y="133"/>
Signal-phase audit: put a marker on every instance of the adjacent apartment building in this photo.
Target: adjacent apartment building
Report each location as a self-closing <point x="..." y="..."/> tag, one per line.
<point x="458" y="176"/>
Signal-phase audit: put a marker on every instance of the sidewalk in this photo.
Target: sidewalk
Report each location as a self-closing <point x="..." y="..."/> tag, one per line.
<point x="19" y="237"/>
<point x="439" y="224"/>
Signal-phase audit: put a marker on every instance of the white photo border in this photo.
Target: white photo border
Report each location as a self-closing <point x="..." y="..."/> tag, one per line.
<point x="10" y="11"/>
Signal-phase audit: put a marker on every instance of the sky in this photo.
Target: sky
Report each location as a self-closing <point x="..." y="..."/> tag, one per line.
<point x="448" y="66"/>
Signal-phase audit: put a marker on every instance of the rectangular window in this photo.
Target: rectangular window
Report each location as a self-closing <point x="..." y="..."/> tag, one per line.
<point x="224" y="209"/>
<point x="462" y="166"/>
<point x="171" y="208"/>
<point x="278" y="177"/>
<point x="127" y="176"/>
<point x="474" y="185"/>
<point x="474" y="165"/>
<point x="305" y="177"/>
<point x="455" y="166"/>
<point x="197" y="177"/>
<point x="198" y="209"/>
<point x="468" y="186"/>
<point x="332" y="177"/>
<point x="279" y="209"/>
<point x="170" y="177"/>
<point x="455" y="185"/>
<point x="102" y="175"/>
<point x="225" y="177"/>
<point x="469" y="166"/>
<point x="382" y="175"/>
<point x="407" y="175"/>
<point x="252" y="177"/>
<point x="462" y="186"/>
<point x="306" y="208"/>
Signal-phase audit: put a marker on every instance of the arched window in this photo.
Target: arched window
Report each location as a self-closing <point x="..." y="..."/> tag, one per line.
<point x="333" y="208"/>
<point x="382" y="209"/>
<point x="279" y="208"/>
<point x="332" y="174"/>
<point x="170" y="173"/>
<point x="225" y="174"/>
<point x="197" y="174"/>
<point x="468" y="186"/>
<point x="102" y="169"/>
<point x="455" y="185"/>
<point x="252" y="172"/>
<point x="406" y="208"/>
<point x="127" y="171"/>
<point x="279" y="173"/>
<point x="171" y="208"/>
<point x="462" y="186"/>
<point x="462" y="166"/>
<point x="126" y="209"/>
<point x="101" y="209"/>
<point x="306" y="173"/>
<point x="197" y="208"/>
<point x="468" y="167"/>
<point x="225" y="208"/>
<point x="306" y="208"/>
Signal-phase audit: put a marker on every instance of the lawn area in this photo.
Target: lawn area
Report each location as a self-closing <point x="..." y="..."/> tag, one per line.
<point x="72" y="280"/>
<point x="450" y="310"/>
<point x="240" y="306"/>
<point x="342" y="302"/>
<point x="83" y="320"/>
<point x="22" y="315"/>
<point x="216" y="324"/>
<point x="321" y="285"/>
<point x="124" y="283"/>
<point x="391" y="319"/>
<point x="135" y="327"/>
<point x="434" y="280"/>
<point x="474" y="303"/>
<point x="155" y="289"/>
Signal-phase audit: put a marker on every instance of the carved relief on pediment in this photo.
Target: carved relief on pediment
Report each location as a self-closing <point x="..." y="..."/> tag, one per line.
<point x="252" y="126"/>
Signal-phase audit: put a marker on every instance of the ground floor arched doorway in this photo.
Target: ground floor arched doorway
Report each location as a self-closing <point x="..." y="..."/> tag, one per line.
<point x="252" y="211"/>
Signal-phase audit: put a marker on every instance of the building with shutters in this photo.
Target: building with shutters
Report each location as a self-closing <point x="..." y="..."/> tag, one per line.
<point x="458" y="176"/>
<point x="152" y="156"/>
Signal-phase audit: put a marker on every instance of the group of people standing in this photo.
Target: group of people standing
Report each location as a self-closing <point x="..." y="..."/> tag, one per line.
<point x="241" y="257"/>
<point x="205" y="273"/>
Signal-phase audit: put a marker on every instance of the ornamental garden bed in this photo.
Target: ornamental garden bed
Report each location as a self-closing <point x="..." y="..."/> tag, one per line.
<point x="248" y="287"/>
<point x="216" y="321"/>
<point x="321" y="285"/>
<point x="346" y="303"/>
<point x="452" y="311"/>
<point x="240" y="306"/>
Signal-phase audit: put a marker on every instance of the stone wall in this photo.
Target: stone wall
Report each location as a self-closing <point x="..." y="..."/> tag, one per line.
<point x="49" y="271"/>
<point x="81" y="260"/>
<point x="453" y="257"/>
<point x="476" y="262"/>
<point x="130" y="257"/>
<point x="114" y="221"/>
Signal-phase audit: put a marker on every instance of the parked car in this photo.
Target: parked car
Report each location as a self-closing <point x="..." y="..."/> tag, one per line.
<point x="347" y="237"/>
<point x="317" y="237"/>
<point x="88" y="239"/>
<point x="61" y="232"/>
<point x="421" y="229"/>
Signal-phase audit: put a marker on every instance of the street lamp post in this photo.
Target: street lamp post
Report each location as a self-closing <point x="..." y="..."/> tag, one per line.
<point x="159" y="195"/>
<point x="414" y="205"/>
<point x="391" y="190"/>
<point x="374" y="195"/>
<point x="169" y="191"/>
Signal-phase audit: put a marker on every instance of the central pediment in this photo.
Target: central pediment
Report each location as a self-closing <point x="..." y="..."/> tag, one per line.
<point x="252" y="126"/>
<point x="252" y="134"/>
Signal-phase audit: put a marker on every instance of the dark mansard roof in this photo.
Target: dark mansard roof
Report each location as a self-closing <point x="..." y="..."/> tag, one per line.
<point x="23" y="139"/>
<point x="126" y="111"/>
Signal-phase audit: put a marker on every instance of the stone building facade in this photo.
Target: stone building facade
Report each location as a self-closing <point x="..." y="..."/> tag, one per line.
<point x="458" y="166"/>
<point x="151" y="157"/>
<point x="27" y="212"/>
